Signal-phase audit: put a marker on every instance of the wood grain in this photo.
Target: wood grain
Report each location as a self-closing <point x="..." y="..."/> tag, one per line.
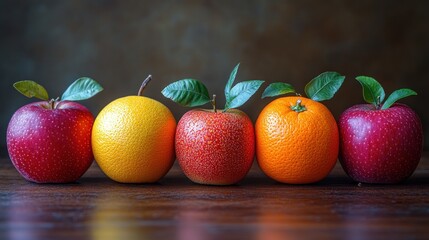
<point x="175" y="208"/>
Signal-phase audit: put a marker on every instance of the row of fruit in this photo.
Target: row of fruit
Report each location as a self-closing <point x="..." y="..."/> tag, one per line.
<point x="295" y="139"/>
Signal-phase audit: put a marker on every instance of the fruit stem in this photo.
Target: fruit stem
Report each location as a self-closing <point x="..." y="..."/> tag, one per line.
<point x="298" y="107"/>
<point x="378" y="103"/>
<point x="213" y="101"/>
<point x="52" y="103"/>
<point x="144" y="83"/>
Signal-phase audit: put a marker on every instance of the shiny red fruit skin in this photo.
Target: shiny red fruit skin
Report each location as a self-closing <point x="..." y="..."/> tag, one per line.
<point x="215" y="148"/>
<point x="380" y="146"/>
<point x="51" y="145"/>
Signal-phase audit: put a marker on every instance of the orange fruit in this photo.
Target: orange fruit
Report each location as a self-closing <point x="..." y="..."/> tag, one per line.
<point x="296" y="147"/>
<point x="133" y="140"/>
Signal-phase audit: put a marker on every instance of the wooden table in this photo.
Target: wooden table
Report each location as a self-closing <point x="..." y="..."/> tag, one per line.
<point x="175" y="208"/>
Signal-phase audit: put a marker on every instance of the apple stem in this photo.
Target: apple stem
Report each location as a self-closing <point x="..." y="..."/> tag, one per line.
<point x="52" y="103"/>
<point x="144" y="83"/>
<point x="298" y="107"/>
<point x="213" y="101"/>
<point x="378" y="103"/>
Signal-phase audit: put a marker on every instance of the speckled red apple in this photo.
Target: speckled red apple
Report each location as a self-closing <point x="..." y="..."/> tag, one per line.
<point x="51" y="145"/>
<point x="215" y="147"/>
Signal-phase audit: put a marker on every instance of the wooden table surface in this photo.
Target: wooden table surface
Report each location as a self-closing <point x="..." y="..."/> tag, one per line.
<point x="175" y="208"/>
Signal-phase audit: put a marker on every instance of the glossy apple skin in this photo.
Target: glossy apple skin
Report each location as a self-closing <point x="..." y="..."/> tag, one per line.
<point x="380" y="146"/>
<point x="215" y="148"/>
<point x="51" y="145"/>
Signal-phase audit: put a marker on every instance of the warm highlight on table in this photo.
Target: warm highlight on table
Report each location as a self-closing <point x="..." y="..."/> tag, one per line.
<point x="175" y="208"/>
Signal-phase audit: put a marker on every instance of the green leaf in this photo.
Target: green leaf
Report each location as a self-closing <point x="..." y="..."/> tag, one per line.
<point x="373" y="92"/>
<point x="324" y="86"/>
<point x="396" y="95"/>
<point x="31" y="89"/>
<point x="276" y="89"/>
<point x="230" y="82"/>
<point x="187" y="92"/>
<point x="241" y="92"/>
<point x="81" y="89"/>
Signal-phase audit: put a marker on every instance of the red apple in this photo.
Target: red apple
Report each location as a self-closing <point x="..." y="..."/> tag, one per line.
<point x="51" y="145"/>
<point x="380" y="144"/>
<point x="215" y="147"/>
<point x="50" y="141"/>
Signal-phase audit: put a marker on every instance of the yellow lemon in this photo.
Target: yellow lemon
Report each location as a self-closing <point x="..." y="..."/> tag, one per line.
<point x="133" y="139"/>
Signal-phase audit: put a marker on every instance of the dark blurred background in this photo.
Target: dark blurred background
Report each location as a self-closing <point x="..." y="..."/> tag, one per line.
<point x="118" y="43"/>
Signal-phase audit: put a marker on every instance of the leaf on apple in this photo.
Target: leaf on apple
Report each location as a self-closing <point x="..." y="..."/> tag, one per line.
<point x="31" y="89"/>
<point x="324" y="86"/>
<point x="373" y="92"/>
<point x="396" y="95"/>
<point x="187" y="92"/>
<point x="231" y="80"/>
<point x="278" y="88"/>
<point x="81" y="89"/>
<point x="242" y="92"/>
<point x="239" y="94"/>
<point x="191" y="92"/>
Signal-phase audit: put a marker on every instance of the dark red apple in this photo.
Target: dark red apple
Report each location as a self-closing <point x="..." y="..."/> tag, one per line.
<point x="380" y="143"/>
<point x="215" y="148"/>
<point x="50" y="141"/>
<point x="51" y="145"/>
